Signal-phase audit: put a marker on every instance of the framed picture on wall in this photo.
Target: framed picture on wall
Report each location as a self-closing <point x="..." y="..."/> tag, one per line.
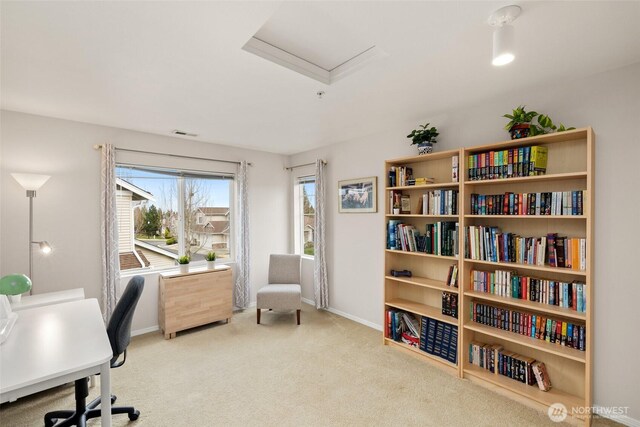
<point x="358" y="195"/>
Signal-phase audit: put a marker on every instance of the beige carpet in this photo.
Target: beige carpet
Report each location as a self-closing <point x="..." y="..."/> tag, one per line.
<point x="329" y="371"/>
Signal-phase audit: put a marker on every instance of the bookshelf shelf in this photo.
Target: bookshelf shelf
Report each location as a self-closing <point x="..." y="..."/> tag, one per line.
<point x="427" y="283"/>
<point x="422" y="295"/>
<point x="528" y="305"/>
<point x="422" y="310"/>
<point x="557" y="349"/>
<point x="421" y="254"/>
<point x="529" y="179"/>
<point x="531" y="392"/>
<point x="426" y="186"/>
<point x="451" y="368"/>
<point x="583" y="217"/>
<point x="515" y="265"/>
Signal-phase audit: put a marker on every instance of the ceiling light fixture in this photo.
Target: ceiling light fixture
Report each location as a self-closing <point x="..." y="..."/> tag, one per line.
<point x="503" y="34"/>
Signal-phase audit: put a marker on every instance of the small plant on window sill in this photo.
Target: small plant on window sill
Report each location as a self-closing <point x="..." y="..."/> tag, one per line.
<point x="211" y="260"/>
<point x="184" y="263"/>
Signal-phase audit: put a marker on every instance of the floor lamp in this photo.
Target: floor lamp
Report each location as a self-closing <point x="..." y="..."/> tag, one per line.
<point x="32" y="182"/>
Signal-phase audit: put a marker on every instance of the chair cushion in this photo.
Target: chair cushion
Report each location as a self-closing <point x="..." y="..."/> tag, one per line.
<point x="279" y="297"/>
<point x="284" y="269"/>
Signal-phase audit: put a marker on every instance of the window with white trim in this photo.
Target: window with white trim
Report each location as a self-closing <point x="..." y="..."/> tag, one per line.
<point x="304" y="214"/>
<point x="164" y="214"/>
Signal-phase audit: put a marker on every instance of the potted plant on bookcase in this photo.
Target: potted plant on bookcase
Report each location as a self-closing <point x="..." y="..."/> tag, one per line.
<point x="519" y="122"/>
<point x="524" y="123"/>
<point x="211" y="260"/>
<point x="424" y="138"/>
<point x="184" y="264"/>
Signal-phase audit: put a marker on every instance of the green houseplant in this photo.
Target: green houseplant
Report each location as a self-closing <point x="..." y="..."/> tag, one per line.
<point x="211" y="260"/>
<point x="424" y="138"/>
<point x="519" y="122"/>
<point x="524" y="123"/>
<point x="184" y="263"/>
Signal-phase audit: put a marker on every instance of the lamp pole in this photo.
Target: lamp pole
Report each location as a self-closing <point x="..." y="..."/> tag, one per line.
<point x="31" y="194"/>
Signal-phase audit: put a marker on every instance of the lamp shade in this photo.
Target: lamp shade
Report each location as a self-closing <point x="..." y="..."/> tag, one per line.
<point x="14" y="284"/>
<point x="30" y="181"/>
<point x="45" y="247"/>
<point x="503" y="45"/>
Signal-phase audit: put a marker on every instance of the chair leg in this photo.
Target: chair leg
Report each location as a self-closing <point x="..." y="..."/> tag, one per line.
<point x="258" y="312"/>
<point x="298" y="315"/>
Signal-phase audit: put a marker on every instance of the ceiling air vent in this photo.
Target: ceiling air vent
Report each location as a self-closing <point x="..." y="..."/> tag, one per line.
<point x="183" y="133"/>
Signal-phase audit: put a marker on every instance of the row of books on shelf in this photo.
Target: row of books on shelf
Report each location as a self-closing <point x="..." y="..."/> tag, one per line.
<point x="489" y="243"/>
<point x="440" y="238"/>
<point x="513" y="162"/>
<point x="450" y="304"/>
<point x="402" y="327"/>
<point x="439" y="339"/>
<point x="437" y="202"/>
<point x="506" y="283"/>
<point x="495" y="359"/>
<point x="531" y="325"/>
<point x="429" y="335"/>
<point x="401" y="176"/>
<point x="452" y="276"/>
<point x="549" y="203"/>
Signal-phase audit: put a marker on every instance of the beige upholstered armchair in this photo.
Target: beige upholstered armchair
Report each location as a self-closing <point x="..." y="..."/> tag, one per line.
<point x="283" y="291"/>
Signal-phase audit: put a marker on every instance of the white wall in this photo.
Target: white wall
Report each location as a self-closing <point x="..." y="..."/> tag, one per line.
<point x="610" y="103"/>
<point x="67" y="208"/>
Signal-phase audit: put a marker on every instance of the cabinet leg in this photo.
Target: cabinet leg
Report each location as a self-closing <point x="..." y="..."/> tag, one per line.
<point x="167" y="336"/>
<point x="258" y="313"/>
<point x="298" y="316"/>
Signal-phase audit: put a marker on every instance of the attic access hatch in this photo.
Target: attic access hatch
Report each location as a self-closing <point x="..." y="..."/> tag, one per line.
<point x="311" y="41"/>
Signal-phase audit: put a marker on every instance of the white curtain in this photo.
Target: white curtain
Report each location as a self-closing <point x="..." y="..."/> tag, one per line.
<point x="109" y="232"/>
<point x="320" y="285"/>
<point x="242" y="288"/>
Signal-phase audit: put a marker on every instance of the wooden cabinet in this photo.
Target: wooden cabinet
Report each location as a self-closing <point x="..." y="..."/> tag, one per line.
<point x="187" y="300"/>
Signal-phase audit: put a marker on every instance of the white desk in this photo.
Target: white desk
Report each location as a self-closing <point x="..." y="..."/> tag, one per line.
<point x="54" y="345"/>
<point x="47" y="298"/>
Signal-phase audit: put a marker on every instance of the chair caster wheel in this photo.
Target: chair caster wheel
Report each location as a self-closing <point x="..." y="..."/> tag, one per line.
<point x="113" y="399"/>
<point x="134" y="416"/>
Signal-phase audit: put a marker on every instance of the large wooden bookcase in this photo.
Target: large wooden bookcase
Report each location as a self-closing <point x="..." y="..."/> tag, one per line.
<point x="421" y="294"/>
<point x="570" y="167"/>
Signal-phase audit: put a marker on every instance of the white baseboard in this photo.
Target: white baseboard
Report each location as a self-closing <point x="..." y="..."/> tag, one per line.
<point x="622" y="419"/>
<point x="347" y="316"/>
<point x="145" y="330"/>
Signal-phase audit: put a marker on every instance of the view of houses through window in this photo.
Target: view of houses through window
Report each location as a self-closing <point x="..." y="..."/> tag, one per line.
<point x="305" y="212"/>
<point x="164" y="214"/>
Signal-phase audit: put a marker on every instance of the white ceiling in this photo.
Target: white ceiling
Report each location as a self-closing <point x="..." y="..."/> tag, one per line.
<point x="158" y="66"/>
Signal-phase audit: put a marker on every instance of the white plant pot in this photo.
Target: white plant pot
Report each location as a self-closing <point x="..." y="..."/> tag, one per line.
<point x="15" y="298"/>
<point x="184" y="268"/>
<point x="211" y="265"/>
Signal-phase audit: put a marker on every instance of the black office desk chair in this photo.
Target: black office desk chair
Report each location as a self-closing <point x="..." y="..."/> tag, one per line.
<point x="119" y="332"/>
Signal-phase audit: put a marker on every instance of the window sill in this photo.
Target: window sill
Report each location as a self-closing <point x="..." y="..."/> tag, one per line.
<point x="125" y="274"/>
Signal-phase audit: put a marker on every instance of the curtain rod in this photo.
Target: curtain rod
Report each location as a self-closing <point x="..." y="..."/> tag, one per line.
<point x="299" y="166"/>
<point x="98" y="147"/>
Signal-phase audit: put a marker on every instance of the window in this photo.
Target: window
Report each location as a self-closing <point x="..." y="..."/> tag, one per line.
<point x="164" y="214"/>
<point x="304" y="214"/>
